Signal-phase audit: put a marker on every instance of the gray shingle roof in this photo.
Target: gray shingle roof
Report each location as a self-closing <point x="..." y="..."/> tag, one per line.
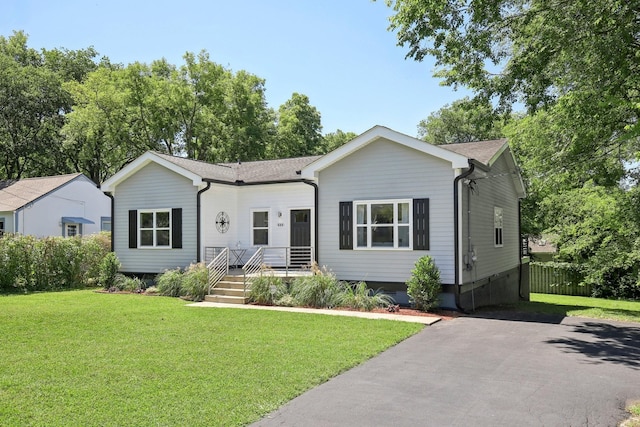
<point x="16" y="194"/>
<point x="482" y="151"/>
<point x="247" y="172"/>
<point x="285" y="169"/>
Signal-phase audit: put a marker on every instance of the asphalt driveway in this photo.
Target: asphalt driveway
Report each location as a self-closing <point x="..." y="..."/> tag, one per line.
<point x="492" y="371"/>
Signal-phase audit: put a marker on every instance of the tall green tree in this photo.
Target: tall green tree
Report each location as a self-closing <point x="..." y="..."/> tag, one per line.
<point x="299" y="129"/>
<point x="333" y="140"/>
<point x="536" y="52"/>
<point x="462" y="121"/>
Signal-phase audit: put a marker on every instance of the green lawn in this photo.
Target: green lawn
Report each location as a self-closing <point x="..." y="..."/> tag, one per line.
<point x="89" y="359"/>
<point x="597" y="308"/>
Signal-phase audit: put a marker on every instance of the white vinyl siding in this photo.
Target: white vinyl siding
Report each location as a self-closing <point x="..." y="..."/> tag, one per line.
<point x="154" y="188"/>
<point x="77" y="198"/>
<point x="240" y="201"/>
<point x="492" y="189"/>
<point x="384" y="170"/>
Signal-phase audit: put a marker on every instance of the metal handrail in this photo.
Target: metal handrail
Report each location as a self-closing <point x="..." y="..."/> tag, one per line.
<point x="252" y="267"/>
<point x="218" y="268"/>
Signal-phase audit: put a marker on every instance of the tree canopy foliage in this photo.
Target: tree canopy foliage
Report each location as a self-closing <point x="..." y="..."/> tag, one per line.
<point x="462" y="121"/>
<point x="71" y="111"/>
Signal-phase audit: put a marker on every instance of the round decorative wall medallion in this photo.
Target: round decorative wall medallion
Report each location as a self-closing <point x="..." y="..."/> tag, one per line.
<point x="222" y="222"/>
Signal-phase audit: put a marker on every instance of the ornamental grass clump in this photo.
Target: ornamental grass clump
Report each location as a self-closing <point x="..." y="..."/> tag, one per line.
<point x="267" y="289"/>
<point x="169" y="283"/>
<point x="360" y="297"/>
<point x="195" y="282"/>
<point x="424" y="285"/>
<point x="321" y="290"/>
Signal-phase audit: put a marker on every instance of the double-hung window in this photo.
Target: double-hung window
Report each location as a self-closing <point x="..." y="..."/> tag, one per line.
<point x="497" y="227"/>
<point x="384" y="224"/>
<point x="155" y="228"/>
<point x="260" y="227"/>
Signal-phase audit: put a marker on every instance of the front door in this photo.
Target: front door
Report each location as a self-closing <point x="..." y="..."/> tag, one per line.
<point x="300" y="237"/>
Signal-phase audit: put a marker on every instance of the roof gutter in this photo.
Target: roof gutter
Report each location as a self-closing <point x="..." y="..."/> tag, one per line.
<point x="456" y="232"/>
<point x="198" y="226"/>
<point x="243" y="183"/>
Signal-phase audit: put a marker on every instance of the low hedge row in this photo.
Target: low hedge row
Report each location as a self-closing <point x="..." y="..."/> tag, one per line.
<point x="29" y="264"/>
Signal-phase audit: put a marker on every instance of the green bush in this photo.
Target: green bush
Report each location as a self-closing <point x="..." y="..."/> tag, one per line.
<point x="169" y="283"/>
<point x="322" y="290"/>
<point x="51" y="263"/>
<point x="195" y="281"/>
<point x="108" y="270"/>
<point x="360" y="297"/>
<point x="267" y="289"/>
<point x="424" y="285"/>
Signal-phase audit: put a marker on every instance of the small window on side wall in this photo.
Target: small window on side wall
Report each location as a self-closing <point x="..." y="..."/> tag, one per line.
<point x="260" y="227"/>
<point x="497" y="227"/>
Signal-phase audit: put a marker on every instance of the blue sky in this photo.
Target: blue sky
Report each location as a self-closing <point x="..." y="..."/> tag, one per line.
<point x="337" y="52"/>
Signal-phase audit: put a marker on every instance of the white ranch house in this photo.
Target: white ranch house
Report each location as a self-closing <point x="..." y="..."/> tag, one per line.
<point x="61" y="205"/>
<point x="367" y="211"/>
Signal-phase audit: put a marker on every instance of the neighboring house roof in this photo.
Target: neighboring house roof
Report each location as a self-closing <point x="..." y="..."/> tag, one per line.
<point x="539" y="246"/>
<point x="17" y="194"/>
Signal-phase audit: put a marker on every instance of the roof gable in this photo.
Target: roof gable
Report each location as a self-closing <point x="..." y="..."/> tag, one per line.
<point x="17" y="194"/>
<point x="149" y="157"/>
<point x="380" y="132"/>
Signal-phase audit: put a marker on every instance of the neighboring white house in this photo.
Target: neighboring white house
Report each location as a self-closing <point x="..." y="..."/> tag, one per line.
<point x="62" y="205"/>
<point x="367" y="211"/>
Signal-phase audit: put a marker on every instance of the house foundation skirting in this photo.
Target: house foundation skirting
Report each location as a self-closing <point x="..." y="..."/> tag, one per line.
<point x="508" y="287"/>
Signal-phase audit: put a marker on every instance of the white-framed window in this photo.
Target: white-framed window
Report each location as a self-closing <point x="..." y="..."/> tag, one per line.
<point x="2" y="226"/>
<point x="260" y="227"/>
<point x="71" y="230"/>
<point x="105" y="223"/>
<point x="383" y="224"/>
<point x="497" y="227"/>
<point x="154" y="228"/>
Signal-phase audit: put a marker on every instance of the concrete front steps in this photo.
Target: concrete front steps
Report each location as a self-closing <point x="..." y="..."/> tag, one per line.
<point x="230" y="290"/>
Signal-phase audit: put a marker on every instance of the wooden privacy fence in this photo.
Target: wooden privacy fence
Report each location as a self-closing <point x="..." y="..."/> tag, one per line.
<point x="550" y="278"/>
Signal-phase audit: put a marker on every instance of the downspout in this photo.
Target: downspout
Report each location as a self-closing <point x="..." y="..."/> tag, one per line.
<point x="198" y="226"/>
<point x="110" y="195"/>
<point x="456" y="233"/>
<point x="315" y="216"/>
<point x="521" y="251"/>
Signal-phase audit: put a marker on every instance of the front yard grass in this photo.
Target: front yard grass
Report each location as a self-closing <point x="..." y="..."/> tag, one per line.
<point x="596" y="308"/>
<point x="86" y="358"/>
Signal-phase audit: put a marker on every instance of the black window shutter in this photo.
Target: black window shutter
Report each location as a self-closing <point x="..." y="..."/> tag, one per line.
<point x="421" y="224"/>
<point x="176" y="228"/>
<point x="133" y="229"/>
<point x="346" y="225"/>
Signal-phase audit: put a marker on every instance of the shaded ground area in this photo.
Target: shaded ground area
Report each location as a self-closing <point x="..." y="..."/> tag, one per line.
<point x="495" y="369"/>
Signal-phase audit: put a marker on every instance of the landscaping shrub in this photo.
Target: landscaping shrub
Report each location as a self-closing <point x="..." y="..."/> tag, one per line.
<point x="322" y="290"/>
<point x="424" y="285"/>
<point x="267" y="289"/>
<point x="360" y="297"/>
<point x="169" y="283"/>
<point x="108" y="270"/>
<point x="130" y="284"/>
<point x="195" y="281"/>
<point x="51" y="263"/>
